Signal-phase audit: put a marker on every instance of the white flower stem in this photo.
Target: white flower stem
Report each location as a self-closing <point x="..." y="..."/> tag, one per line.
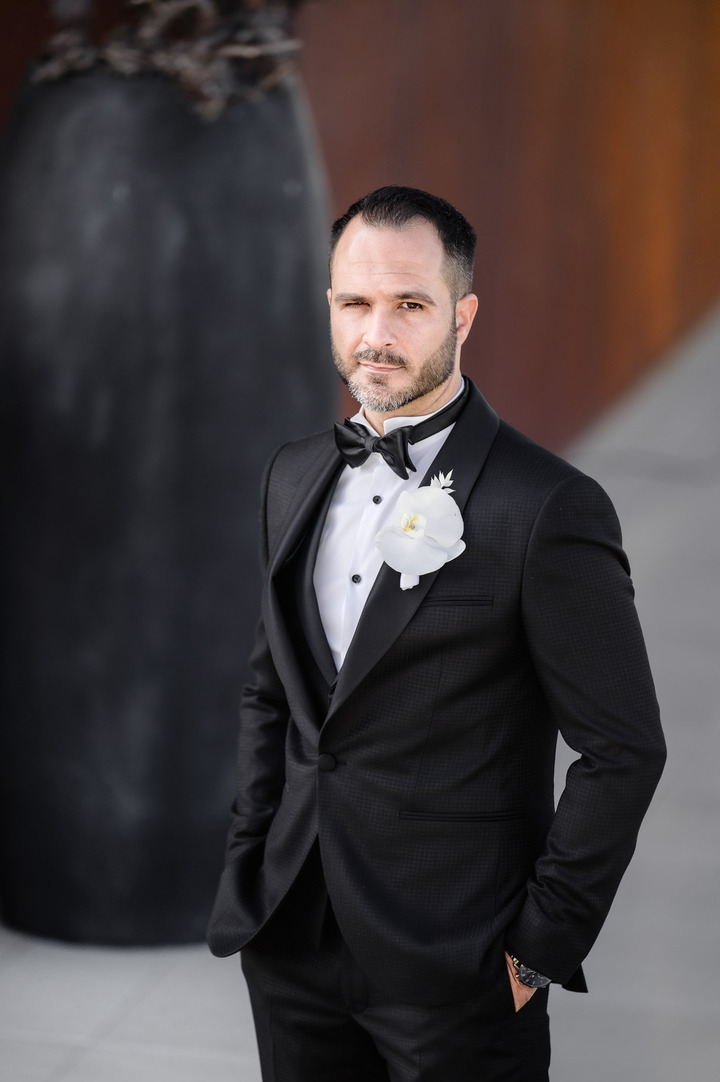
<point x="408" y="581"/>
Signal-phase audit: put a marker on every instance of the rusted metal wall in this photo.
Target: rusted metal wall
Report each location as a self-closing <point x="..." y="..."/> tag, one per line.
<point x="583" y="141"/>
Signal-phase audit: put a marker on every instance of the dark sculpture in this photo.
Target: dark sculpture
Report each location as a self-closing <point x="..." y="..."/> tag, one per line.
<point x="219" y="53"/>
<point x="162" y="328"/>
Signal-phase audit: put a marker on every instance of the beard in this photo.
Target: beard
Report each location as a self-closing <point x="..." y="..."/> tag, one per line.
<point x="375" y="391"/>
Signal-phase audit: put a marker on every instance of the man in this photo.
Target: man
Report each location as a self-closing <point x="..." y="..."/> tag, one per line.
<point x="437" y="604"/>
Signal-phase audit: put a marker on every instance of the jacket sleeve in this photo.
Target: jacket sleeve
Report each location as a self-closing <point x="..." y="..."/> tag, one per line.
<point x="264" y="715"/>
<point x="587" y="647"/>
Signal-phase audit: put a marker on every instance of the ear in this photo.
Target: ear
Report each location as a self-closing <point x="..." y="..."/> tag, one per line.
<point x="329" y="296"/>
<point x="465" y="310"/>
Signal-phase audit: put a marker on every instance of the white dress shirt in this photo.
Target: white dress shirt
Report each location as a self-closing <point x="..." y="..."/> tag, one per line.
<point x="347" y="561"/>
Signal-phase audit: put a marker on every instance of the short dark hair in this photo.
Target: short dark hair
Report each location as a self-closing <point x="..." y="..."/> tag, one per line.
<point x="396" y="206"/>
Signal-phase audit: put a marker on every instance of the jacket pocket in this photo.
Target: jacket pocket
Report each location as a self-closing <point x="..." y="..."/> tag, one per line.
<point x="457" y="602"/>
<point x="461" y="817"/>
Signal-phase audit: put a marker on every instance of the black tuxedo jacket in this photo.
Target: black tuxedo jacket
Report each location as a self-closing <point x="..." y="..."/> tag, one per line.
<point x="426" y="767"/>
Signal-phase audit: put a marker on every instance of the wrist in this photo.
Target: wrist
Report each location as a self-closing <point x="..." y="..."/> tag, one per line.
<point x="524" y="974"/>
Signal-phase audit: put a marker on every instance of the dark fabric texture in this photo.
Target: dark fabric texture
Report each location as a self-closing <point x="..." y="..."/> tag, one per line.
<point x="426" y="772"/>
<point x="318" y="1017"/>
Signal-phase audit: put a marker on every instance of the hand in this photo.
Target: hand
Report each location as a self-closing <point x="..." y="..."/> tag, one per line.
<point x="520" y="992"/>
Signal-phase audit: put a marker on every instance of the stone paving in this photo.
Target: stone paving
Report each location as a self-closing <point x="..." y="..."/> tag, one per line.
<point x="81" y="1014"/>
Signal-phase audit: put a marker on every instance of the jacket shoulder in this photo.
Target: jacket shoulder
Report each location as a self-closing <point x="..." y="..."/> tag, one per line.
<point x="528" y="459"/>
<point x="517" y="462"/>
<point x="290" y="463"/>
<point x="525" y="478"/>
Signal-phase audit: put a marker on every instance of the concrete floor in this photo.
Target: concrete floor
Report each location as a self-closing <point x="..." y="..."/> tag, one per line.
<point x="654" y="1007"/>
<point x="74" y="1014"/>
<point x="86" y="1014"/>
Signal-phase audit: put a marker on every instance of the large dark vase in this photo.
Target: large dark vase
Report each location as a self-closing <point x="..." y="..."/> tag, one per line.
<point x="164" y="327"/>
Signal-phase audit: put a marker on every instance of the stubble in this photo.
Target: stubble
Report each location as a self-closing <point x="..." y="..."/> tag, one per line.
<point x="374" y="391"/>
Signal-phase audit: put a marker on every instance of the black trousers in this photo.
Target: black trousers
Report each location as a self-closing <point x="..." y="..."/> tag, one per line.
<point x="319" y="1019"/>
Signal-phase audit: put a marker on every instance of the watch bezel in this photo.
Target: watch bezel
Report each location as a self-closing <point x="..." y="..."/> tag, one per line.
<point x="529" y="977"/>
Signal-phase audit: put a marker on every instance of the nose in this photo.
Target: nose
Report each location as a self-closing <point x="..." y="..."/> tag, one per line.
<point x="378" y="331"/>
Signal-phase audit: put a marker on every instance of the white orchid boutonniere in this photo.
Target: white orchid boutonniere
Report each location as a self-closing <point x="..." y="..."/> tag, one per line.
<point x="425" y="531"/>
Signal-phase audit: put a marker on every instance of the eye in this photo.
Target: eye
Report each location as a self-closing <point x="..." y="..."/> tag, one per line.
<point x="412" y="306"/>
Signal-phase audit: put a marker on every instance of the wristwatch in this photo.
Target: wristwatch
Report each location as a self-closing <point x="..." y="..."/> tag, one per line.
<point x="527" y="976"/>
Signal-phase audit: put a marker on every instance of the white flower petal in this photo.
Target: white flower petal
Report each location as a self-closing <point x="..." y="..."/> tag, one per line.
<point x="406" y="504"/>
<point x="424" y="533"/>
<point x="456" y="550"/>
<point x="445" y="531"/>
<point x="406" y="554"/>
<point x="444" y="521"/>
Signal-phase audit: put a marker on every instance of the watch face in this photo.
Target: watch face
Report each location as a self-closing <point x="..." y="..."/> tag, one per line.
<point x="531" y="978"/>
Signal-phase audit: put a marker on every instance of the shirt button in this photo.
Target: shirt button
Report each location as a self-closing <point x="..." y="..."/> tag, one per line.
<point x="377" y="499"/>
<point x="356" y="579"/>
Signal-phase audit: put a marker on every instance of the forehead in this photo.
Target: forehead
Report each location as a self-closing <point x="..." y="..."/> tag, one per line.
<point x="383" y="257"/>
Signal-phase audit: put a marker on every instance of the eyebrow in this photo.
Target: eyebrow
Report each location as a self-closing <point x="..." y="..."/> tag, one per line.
<point x="409" y="295"/>
<point x="417" y="295"/>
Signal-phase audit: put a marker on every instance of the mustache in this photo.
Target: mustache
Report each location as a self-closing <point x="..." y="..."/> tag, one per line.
<point x="380" y="356"/>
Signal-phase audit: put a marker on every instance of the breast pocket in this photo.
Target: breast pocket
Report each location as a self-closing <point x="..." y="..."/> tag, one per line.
<point x="464" y="601"/>
<point x="461" y="817"/>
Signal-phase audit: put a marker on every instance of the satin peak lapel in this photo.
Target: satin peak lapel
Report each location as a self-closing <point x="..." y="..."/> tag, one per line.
<point x="308" y="495"/>
<point x="298" y="521"/>
<point x="388" y="609"/>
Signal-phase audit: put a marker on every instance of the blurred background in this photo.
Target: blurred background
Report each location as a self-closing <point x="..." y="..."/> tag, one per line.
<point x="165" y="193"/>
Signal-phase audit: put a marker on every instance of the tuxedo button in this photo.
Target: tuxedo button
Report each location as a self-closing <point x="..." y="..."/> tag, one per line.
<point x="326" y="761"/>
<point x="377" y="499"/>
<point x="356" y="579"/>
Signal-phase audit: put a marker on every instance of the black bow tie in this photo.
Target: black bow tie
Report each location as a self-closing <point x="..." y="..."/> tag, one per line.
<point x="356" y="443"/>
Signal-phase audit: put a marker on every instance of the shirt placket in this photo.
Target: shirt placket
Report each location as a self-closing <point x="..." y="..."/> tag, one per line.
<point x="364" y="565"/>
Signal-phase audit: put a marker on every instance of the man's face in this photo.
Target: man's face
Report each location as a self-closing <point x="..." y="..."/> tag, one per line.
<point x="396" y="333"/>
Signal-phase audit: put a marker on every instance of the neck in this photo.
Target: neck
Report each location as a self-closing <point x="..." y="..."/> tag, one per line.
<point x="419" y="407"/>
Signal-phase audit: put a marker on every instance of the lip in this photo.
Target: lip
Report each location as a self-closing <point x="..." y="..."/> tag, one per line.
<point x="381" y="367"/>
